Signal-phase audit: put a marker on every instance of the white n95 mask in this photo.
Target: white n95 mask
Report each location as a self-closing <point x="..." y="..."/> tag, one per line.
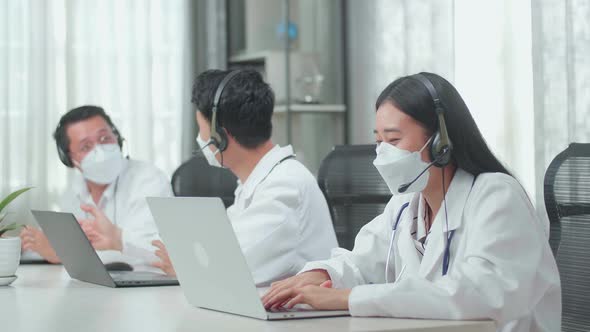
<point x="398" y="167"/>
<point x="209" y="155"/>
<point x="103" y="164"/>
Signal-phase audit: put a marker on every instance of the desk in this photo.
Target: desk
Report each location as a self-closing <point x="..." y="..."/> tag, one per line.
<point x="44" y="298"/>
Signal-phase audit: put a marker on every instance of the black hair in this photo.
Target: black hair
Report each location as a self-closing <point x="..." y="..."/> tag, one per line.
<point x="246" y="105"/>
<point x="76" y="115"/>
<point x="470" y="151"/>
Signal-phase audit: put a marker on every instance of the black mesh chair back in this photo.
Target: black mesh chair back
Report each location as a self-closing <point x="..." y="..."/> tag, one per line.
<point x="355" y="191"/>
<point x="567" y="199"/>
<point x="196" y="178"/>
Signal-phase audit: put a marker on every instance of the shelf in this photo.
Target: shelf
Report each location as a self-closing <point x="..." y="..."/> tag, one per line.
<point x="311" y="108"/>
<point x="253" y="57"/>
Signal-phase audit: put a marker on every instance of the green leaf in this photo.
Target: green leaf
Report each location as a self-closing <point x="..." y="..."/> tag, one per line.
<point x="3" y="217"/>
<point x="9" y="227"/>
<point x="12" y="196"/>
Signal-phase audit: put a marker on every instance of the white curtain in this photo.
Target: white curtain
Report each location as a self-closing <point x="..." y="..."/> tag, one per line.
<point x="387" y="39"/>
<point x="561" y="40"/>
<point x="130" y="57"/>
<point x="482" y="47"/>
<point x="493" y="73"/>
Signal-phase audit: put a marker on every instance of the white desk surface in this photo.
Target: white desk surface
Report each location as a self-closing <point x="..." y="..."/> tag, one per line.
<point x="44" y="298"/>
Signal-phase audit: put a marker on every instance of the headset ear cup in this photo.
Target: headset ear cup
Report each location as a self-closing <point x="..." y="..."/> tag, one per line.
<point x="436" y="152"/>
<point x="433" y="150"/>
<point x="219" y="139"/>
<point x="63" y="157"/>
<point x="222" y="142"/>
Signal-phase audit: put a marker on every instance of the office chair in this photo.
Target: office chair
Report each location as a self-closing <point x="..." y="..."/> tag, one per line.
<point x="355" y="191"/>
<point x="567" y="199"/>
<point x="196" y="178"/>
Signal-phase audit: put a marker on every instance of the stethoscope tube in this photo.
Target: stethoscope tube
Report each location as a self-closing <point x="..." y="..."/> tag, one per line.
<point x="394" y="229"/>
<point x="447" y="254"/>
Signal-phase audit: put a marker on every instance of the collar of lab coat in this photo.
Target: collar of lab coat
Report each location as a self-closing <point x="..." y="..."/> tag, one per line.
<point x="456" y="198"/>
<point x="263" y="169"/>
<point x="81" y="187"/>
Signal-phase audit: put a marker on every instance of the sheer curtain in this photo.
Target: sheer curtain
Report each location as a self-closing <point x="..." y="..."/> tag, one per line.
<point x="561" y="36"/>
<point x="131" y="57"/>
<point x="386" y="39"/>
<point x="493" y="73"/>
<point x="482" y="47"/>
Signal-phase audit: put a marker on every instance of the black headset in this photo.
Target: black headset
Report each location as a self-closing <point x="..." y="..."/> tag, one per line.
<point x="61" y="139"/>
<point x="218" y="134"/>
<point x="441" y="145"/>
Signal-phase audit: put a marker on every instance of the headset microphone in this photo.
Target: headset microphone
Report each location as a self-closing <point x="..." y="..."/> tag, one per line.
<point x="402" y="188"/>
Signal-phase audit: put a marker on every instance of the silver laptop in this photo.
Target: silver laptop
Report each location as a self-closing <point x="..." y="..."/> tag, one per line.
<point x="80" y="259"/>
<point x="208" y="260"/>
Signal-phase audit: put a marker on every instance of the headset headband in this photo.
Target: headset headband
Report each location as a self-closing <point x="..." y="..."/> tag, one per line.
<point x="217" y="98"/>
<point x="443" y="146"/>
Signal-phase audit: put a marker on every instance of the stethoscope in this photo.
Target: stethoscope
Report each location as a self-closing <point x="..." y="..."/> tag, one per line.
<point x="446" y="257"/>
<point x="447" y="254"/>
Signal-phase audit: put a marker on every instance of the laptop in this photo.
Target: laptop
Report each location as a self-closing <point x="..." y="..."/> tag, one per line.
<point x="209" y="262"/>
<point x="31" y="257"/>
<point x="80" y="259"/>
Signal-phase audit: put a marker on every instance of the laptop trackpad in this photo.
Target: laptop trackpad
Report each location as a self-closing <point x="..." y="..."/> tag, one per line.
<point x="138" y="276"/>
<point x="118" y="266"/>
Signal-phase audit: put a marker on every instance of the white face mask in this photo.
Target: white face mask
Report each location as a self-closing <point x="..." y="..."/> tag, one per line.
<point x="103" y="164"/>
<point x="398" y="167"/>
<point x="209" y="155"/>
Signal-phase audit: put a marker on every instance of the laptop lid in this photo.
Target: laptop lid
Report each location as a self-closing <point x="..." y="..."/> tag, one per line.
<point x="208" y="260"/>
<point x="206" y="254"/>
<point x="73" y="248"/>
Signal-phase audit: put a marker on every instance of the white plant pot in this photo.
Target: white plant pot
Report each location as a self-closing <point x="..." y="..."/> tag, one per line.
<point x="9" y="255"/>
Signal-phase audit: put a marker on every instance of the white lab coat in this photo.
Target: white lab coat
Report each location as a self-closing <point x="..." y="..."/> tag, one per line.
<point x="124" y="203"/>
<point x="501" y="265"/>
<point x="281" y="218"/>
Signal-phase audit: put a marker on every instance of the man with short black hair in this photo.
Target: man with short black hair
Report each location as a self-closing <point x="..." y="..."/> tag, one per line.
<point x="280" y="216"/>
<point x="107" y="195"/>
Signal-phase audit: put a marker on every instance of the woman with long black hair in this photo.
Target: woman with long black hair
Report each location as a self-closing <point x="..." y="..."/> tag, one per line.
<point x="459" y="239"/>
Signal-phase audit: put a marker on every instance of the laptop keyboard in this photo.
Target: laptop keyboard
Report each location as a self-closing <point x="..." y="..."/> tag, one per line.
<point x="137" y="276"/>
<point x="297" y="308"/>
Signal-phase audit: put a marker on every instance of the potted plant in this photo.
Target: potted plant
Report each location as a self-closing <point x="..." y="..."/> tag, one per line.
<point x="9" y="246"/>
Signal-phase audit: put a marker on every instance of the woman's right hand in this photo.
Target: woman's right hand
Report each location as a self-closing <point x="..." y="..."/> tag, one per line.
<point x="281" y="292"/>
